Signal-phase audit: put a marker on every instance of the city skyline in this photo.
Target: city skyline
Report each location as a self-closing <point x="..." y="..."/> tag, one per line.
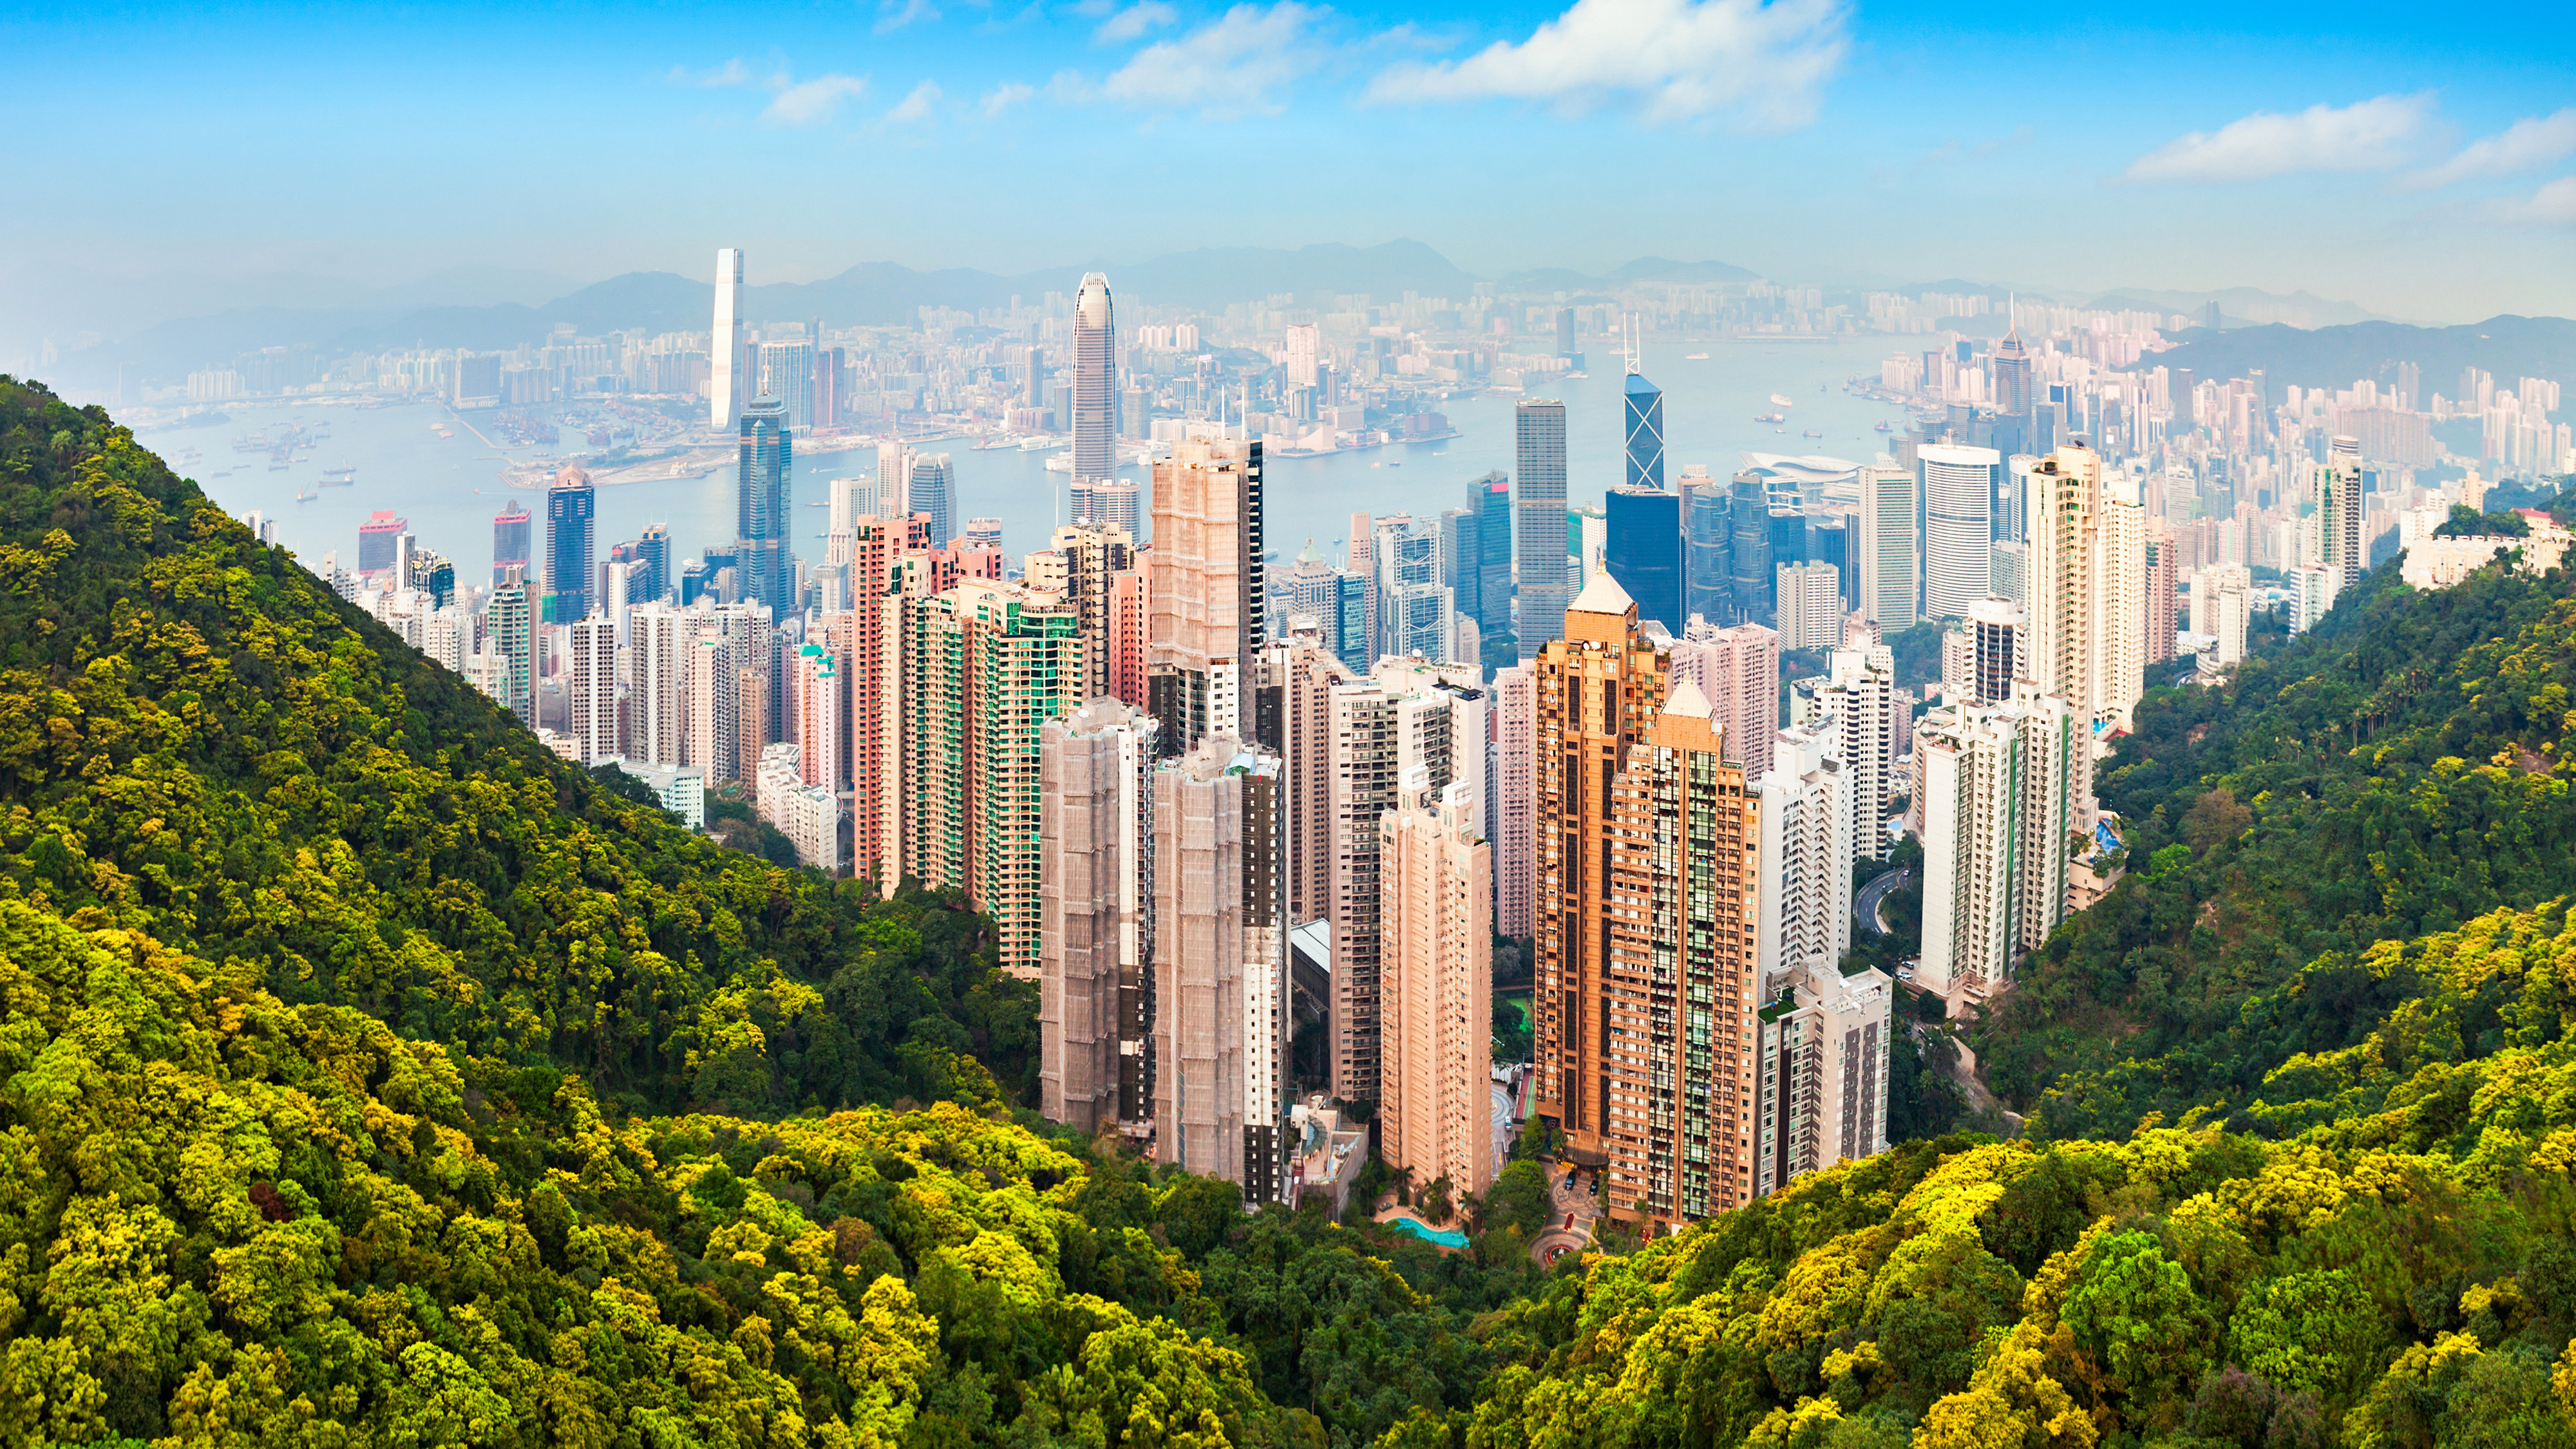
<point x="2444" y="155"/>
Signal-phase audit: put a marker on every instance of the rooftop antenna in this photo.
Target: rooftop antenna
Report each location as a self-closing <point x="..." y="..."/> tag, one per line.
<point x="1630" y="338"/>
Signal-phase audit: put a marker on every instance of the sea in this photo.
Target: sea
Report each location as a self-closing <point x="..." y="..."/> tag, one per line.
<point x="449" y="488"/>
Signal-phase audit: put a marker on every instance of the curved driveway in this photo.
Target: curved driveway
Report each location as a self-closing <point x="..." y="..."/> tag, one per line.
<point x="1866" y="901"/>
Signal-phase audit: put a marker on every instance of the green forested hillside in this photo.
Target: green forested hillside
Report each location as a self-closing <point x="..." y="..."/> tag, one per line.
<point x="2400" y="769"/>
<point x="199" y="740"/>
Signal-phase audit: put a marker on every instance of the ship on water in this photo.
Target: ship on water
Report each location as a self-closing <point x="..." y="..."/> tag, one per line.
<point x="340" y="477"/>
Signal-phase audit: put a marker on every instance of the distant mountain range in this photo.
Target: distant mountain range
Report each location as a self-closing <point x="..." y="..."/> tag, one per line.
<point x="2247" y="305"/>
<point x="872" y="293"/>
<point x="2510" y="347"/>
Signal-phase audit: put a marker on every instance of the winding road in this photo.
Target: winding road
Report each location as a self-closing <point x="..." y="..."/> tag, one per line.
<point x="1866" y="901"/>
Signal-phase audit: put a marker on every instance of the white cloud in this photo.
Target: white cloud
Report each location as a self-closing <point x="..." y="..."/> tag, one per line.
<point x="1226" y="67"/>
<point x="1006" y="95"/>
<point x="2526" y="145"/>
<point x="1134" y="21"/>
<point x="896" y="14"/>
<point x="731" y="73"/>
<point x="1680" y="58"/>
<point x="2552" y="205"/>
<point x="808" y="103"/>
<point x="2372" y="135"/>
<point x="914" y="107"/>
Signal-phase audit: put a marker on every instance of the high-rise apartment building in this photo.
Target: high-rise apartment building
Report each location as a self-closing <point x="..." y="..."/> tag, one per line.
<point x="2085" y="598"/>
<point x="513" y="534"/>
<point x="1808" y="601"/>
<point x="726" y="384"/>
<point x="1095" y="387"/>
<point x="1408" y="715"/>
<point x="1648" y="861"/>
<point x="1737" y="669"/>
<point x="571" y="547"/>
<point x="1859" y="689"/>
<point x="1807" y="813"/>
<point x="1083" y="565"/>
<point x="1643" y="550"/>
<point x="510" y="626"/>
<point x="715" y="738"/>
<point x="1823" y="1072"/>
<point x="873" y="664"/>
<point x="985" y="665"/>
<point x="1130" y="631"/>
<point x="820" y="700"/>
<point x="1515" y="799"/>
<point x="592" y="690"/>
<point x="1096" y="915"/>
<point x="764" y="466"/>
<point x="1437" y="990"/>
<point x="2343" y="535"/>
<point x="1221" y="1014"/>
<point x="1538" y="527"/>
<point x="1206" y="588"/>
<point x="2161" y="576"/>
<point x="1999" y="792"/>
<point x="1958" y="486"/>
<point x="1890" y="590"/>
<point x="1993" y="635"/>
<point x="658" y="714"/>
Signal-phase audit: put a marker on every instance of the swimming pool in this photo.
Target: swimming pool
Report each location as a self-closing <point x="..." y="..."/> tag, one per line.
<point x="1430" y="1235"/>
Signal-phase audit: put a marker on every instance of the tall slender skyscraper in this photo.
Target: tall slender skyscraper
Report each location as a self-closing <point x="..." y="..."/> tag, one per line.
<point x="1538" y="513"/>
<point x="1749" y="549"/>
<point x="1095" y="383"/>
<point x="1096" y="915"/>
<point x="510" y="624"/>
<point x="1889" y="592"/>
<point x="1489" y="522"/>
<point x="1707" y="532"/>
<point x="1436" y="914"/>
<point x="725" y="380"/>
<point x="1958" y="529"/>
<point x="934" y="491"/>
<point x="1645" y="449"/>
<point x="571" y="547"/>
<point x="766" y="461"/>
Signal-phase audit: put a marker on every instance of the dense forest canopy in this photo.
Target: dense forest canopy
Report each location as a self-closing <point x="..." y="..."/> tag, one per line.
<point x="367" y="1075"/>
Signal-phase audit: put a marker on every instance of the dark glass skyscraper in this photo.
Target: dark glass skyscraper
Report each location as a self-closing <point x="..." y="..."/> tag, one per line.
<point x="1538" y="523"/>
<point x="766" y="569"/>
<point x="1643" y="551"/>
<point x="655" y="549"/>
<point x="1750" y="561"/>
<point x="1489" y="514"/>
<point x="1707" y="588"/>
<point x="572" y="550"/>
<point x="1645" y="450"/>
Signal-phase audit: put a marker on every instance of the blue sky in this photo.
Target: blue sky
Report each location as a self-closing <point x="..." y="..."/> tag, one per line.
<point x="2418" y="161"/>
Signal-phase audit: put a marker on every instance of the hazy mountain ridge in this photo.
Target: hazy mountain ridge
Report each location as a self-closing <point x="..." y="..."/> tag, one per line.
<point x="2506" y="346"/>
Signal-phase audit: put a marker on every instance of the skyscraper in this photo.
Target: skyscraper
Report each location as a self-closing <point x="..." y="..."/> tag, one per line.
<point x="1643" y="550"/>
<point x="764" y="466"/>
<point x="933" y="490"/>
<point x="1515" y="800"/>
<point x="1749" y="552"/>
<point x="1999" y="786"/>
<point x="1647" y="896"/>
<point x="654" y="548"/>
<point x="1808" y="602"/>
<point x="512" y="536"/>
<point x="1737" y="669"/>
<point x="1994" y="639"/>
<point x="1890" y="595"/>
<point x="1859" y="691"/>
<point x="1096" y="915"/>
<point x="1538" y="512"/>
<point x="1958" y="532"/>
<point x="1414" y="610"/>
<point x="1806" y="796"/>
<point x="1489" y="510"/>
<point x="1644" y="410"/>
<point x="592" y="690"/>
<point x="1083" y="565"/>
<point x="1707" y="537"/>
<point x="1221" y="1013"/>
<point x="784" y="372"/>
<point x="1206" y="588"/>
<point x="1095" y="384"/>
<point x="510" y="624"/>
<point x="571" y="547"/>
<point x="1822" y="1059"/>
<point x="2343" y="539"/>
<point x="378" y="543"/>
<point x="2159" y="570"/>
<point x="725" y="382"/>
<point x="1437" y="979"/>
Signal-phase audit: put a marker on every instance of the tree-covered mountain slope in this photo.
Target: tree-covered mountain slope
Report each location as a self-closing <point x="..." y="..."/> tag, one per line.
<point x="2395" y="1270"/>
<point x="2402" y="768"/>
<point x="199" y="740"/>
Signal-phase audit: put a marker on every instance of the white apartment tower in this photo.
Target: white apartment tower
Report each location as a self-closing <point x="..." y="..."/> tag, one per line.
<point x="1958" y="528"/>
<point x="1822" y="1082"/>
<point x="726" y="382"/>
<point x="1805" y="911"/>
<point x="1859" y="689"/>
<point x="592" y="690"/>
<point x="1999" y="794"/>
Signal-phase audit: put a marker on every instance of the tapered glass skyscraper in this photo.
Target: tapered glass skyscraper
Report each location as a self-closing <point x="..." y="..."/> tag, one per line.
<point x="1645" y="414"/>
<point x="726" y="384"/>
<point x="1095" y="383"/>
<point x="766" y="460"/>
<point x="571" y="547"/>
<point x="1538" y="516"/>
